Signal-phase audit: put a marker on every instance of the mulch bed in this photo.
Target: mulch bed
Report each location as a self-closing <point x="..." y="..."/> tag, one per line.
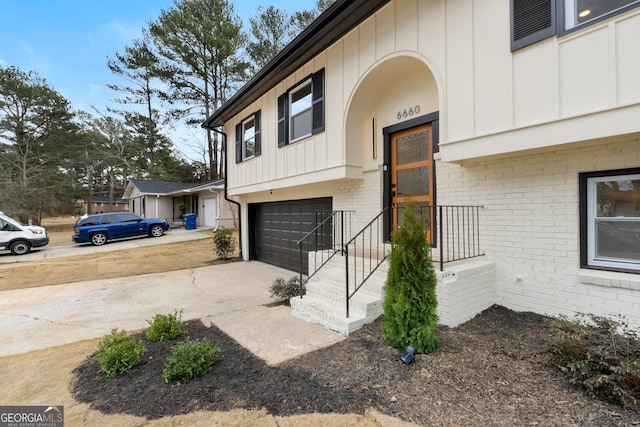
<point x="488" y="371"/>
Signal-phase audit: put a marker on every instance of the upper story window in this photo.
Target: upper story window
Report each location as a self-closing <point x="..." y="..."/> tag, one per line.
<point x="248" y="138"/>
<point x="610" y="220"/>
<point x="300" y="115"/>
<point x="535" y="20"/>
<point x="582" y="12"/>
<point x="301" y="110"/>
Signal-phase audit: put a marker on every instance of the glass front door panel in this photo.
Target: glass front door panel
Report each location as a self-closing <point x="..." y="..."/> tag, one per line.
<point x="413" y="182"/>
<point x="413" y="148"/>
<point x="424" y="211"/>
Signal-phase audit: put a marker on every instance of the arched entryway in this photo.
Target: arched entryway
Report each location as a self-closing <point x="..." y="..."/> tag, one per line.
<point x="392" y="123"/>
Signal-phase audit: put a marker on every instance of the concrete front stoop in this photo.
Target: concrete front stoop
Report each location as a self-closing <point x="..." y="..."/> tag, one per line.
<point x="465" y="289"/>
<point x="325" y="299"/>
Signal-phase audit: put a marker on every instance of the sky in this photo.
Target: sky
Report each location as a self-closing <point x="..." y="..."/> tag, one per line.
<point x="67" y="42"/>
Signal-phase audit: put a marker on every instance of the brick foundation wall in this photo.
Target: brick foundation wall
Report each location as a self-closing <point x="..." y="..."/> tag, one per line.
<point x="530" y="228"/>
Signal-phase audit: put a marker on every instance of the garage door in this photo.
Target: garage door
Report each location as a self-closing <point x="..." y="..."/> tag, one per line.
<point x="277" y="226"/>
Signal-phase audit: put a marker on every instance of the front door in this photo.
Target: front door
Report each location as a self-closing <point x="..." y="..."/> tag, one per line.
<point x="412" y="174"/>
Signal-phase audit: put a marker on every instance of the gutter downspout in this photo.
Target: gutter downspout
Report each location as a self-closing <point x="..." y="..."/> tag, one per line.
<point x="226" y="196"/>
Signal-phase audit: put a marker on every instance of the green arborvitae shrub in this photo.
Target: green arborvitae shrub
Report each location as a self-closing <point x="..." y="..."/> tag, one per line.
<point x="599" y="354"/>
<point x="190" y="359"/>
<point x="410" y="317"/>
<point x="225" y="243"/>
<point x="165" y="326"/>
<point x="282" y="290"/>
<point x="118" y="353"/>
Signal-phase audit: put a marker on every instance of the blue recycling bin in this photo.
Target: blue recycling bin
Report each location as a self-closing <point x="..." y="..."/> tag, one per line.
<point x="190" y="221"/>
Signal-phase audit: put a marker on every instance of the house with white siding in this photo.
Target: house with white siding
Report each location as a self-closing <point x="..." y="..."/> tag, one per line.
<point x="164" y="199"/>
<point x="514" y="124"/>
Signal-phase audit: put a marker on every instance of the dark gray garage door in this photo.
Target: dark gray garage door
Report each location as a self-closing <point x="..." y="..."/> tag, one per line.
<point x="277" y="226"/>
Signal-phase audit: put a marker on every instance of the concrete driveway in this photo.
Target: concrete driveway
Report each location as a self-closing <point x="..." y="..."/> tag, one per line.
<point x="233" y="296"/>
<point x="51" y="252"/>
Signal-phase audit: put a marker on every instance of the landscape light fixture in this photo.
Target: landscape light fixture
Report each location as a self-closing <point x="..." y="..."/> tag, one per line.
<point x="408" y="355"/>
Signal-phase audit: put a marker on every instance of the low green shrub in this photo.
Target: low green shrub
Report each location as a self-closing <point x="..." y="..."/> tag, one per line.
<point x="225" y="243"/>
<point x="165" y="326"/>
<point x="190" y="359"/>
<point x="118" y="353"/>
<point x="600" y="354"/>
<point x="285" y="290"/>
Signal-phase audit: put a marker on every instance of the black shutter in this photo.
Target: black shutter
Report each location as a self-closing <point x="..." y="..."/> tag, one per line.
<point x="317" y="92"/>
<point x="258" y="146"/>
<point x="283" y="118"/>
<point x="239" y="143"/>
<point x="531" y="21"/>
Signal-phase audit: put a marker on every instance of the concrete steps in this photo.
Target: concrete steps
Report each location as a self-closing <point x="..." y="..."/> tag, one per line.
<point x="325" y="299"/>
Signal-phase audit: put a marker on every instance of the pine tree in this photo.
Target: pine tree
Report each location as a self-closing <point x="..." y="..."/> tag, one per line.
<point x="410" y="317"/>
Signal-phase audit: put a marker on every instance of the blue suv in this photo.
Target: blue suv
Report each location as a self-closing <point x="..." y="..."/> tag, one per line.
<point x="99" y="228"/>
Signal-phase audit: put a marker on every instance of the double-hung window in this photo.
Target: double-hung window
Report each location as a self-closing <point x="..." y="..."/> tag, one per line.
<point x="300" y="116"/>
<point x="610" y="220"/>
<point x="248" y="138"/>
<point x="301" y="110"/>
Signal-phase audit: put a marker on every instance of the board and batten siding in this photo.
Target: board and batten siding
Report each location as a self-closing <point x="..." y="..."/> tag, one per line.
<point x="580" y="86"/>
<point x="491" y="101"/>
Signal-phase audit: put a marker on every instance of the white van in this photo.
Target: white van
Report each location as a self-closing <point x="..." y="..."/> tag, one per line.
<point x="19" y="238"/>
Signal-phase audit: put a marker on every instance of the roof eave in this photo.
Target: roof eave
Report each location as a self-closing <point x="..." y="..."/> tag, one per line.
<point x="339" y="18"/>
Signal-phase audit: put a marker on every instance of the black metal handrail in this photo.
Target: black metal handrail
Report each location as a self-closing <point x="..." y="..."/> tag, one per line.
<point x="325" y="240"/>
<point x="372" y="234"/>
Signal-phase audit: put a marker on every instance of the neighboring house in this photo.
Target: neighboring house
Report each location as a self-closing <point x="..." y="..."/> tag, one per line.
<point x="161" y="199"/>
<point x="524" y="112"/>
<point x="102" y="204"/>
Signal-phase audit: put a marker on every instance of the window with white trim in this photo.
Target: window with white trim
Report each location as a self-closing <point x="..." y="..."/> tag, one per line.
<point x="611" y="220"/>
<point x="301" y="110"/>
<point x="248" y="138"/>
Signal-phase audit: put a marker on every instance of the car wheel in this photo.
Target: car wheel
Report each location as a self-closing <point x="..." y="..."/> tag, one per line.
<point x="98" y="239"/>
<point x="156" y="231"/>
<point x="20" y="247"/>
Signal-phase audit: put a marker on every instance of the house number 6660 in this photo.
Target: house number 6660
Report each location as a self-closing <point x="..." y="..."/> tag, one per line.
<point x="408" y="112"/>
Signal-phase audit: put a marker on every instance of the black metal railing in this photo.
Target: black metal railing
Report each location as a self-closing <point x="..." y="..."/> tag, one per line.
<point x="323" y="242"/>
<point x="452" y="231"/>
<point x="458" y="233"/>
<point x="369" y="252"/>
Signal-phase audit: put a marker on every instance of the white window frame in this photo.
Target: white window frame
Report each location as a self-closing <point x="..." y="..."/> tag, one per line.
<point x="571" y="13"/>
<point x="593" y="259"/>
<point x="250" y="138"/>
<point x="299" y="108"/>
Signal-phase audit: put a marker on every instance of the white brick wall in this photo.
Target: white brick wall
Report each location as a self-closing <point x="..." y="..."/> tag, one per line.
<point x="363" y="196"/>
<point x="465" y="290"/>
<point x="530" y="227"/>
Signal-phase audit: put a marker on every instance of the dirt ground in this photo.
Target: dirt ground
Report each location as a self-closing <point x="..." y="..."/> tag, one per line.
<point x="489" y="371"/>
<point x="121" y="263"/>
